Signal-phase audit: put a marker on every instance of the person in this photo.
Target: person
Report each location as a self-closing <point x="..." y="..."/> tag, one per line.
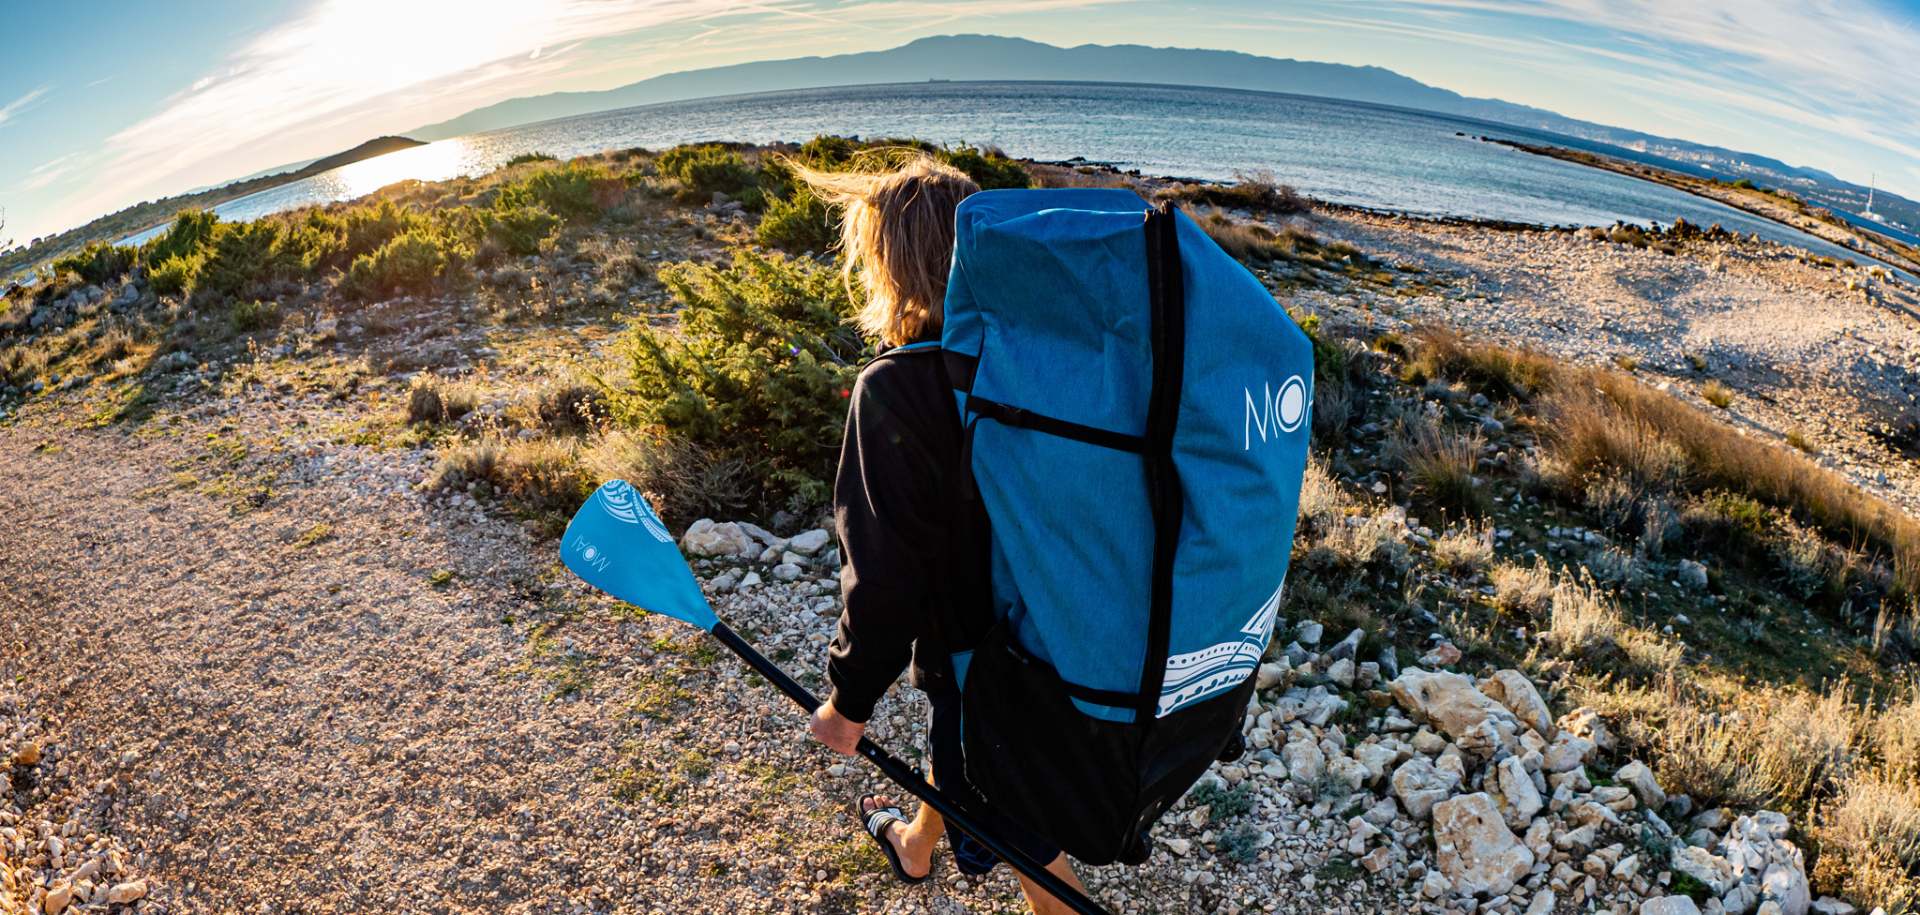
<point x="914" y="578"/>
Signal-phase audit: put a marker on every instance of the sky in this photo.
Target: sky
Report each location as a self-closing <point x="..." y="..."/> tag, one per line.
<point x="105" y="104"/>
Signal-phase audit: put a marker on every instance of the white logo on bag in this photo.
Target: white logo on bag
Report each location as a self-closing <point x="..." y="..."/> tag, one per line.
<point x="1198" y="674"/>
<point x="589" y="554"/>
<point x="1277" y="412"/>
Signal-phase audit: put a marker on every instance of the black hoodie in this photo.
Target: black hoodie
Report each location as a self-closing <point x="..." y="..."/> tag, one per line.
<point x="914" y="544"/>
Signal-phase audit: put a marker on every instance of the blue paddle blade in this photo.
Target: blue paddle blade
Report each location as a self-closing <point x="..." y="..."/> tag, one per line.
<point x="616" y="543"/>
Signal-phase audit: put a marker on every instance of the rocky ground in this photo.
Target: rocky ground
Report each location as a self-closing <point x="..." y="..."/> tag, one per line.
<point x="254" y="663"/>
<point x="1829" y="355"/>
<point x="347" y="698"/>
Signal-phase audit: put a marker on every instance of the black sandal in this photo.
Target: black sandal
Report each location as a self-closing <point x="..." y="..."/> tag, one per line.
<point x="875" y="823"/>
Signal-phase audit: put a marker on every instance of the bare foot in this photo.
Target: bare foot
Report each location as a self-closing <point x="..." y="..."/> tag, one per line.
<point x="916" y="857"/>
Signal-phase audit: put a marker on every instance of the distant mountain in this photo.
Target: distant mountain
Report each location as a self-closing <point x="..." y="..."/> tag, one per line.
<point x="986" y="57"/>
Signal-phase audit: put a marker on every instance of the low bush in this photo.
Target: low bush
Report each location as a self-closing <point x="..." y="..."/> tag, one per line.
<point x="98" y="263"/>
<point x="706" y="168"/>
<point x="519" y="230"/>
<point x="410" y="263"/>
<point x="1583" y="624"/>
<point x="1255" y="190"/>
<point x="430" y="400"/>
<point x="568" y="191"/>
<point x="1870" y="844"/>
<point x="988" y="167"/>
<point x="1464" y="549"/>
<point x="798" y="222"/>
<point x="189" y="232"/>
<point x="760" y="372"/>
<point x="542" y="477"/>
<point x="528" y="157"/>
<point x="684" y="481"/>
<point x="174" y="276"/>
<point x="239" y="259"/>
<point x="248" y="315"/>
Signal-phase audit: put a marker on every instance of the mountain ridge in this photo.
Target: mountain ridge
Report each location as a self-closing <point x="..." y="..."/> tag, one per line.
<point x="986" y="57"/>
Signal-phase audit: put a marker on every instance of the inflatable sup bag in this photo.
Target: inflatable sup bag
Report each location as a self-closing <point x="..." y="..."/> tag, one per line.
<point x="1136" y="413"/>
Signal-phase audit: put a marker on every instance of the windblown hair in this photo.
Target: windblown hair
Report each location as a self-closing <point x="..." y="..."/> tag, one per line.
<point x="896" y="231"/>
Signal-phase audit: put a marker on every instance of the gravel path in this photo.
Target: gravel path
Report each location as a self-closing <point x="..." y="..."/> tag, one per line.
<point x="333" y="693"/>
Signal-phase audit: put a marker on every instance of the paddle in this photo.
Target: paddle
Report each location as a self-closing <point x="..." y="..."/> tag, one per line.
<point x="617" y="544"/>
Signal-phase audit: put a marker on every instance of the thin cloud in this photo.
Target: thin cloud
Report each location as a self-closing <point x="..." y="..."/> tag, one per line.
<point x="12" y="109"/>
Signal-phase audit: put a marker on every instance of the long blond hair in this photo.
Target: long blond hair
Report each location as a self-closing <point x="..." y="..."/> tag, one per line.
<point x="896" y="231"/>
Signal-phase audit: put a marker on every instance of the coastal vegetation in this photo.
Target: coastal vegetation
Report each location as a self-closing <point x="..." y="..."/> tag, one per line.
<point x="1746" y="619"/>
<point x="110" y="228"/>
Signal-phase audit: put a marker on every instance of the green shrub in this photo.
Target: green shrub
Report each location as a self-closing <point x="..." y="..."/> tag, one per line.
<point x="240" y="257"/>
<point x="567" y="191"/>
<point x="798" y="222"/>
<point x="519" y="230"/>
<point x="174" y="276"/>
<point x="988" y="168"/>
<point x="408" y="264"/>
<point x="190" y="232"/>
<point x="706" y="168"/>
<point x="759" y="373"/>
<point x="367" y="228"/>
<point x="250" y="315"/>
<point x="527" y="157"/>
<point x="98" y="263"/>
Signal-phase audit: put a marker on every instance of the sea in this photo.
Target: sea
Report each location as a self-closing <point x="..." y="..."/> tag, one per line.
<point x="1374" y="156"/>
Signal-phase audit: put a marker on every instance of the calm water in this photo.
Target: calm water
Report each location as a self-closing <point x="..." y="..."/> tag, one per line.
<point x="1346" y="152"/>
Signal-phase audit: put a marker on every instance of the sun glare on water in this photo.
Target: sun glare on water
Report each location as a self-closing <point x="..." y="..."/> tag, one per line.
<point x="432" y="162"/>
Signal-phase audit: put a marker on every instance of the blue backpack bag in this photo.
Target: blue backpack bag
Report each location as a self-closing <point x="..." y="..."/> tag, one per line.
<point x="1135" y="407"/>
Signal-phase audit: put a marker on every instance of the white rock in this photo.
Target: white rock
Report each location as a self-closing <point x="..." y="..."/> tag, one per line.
<point x="809" y="542"/>
<point x="1542" y="903"/>
<point x="1341" y="672"/>
<point x="1827" y="905"/>
<point x="786" y="571"/>
<point x="1419" y="786"/>
<point x="1514" y="792"/>
<point x="1179" y="846"/>
<point x="706" y="538"/>
<point x="1450" y="703"/>
<point x="131" y="891"/>
<point x="1514" y="690"/>
<point x="1637" y="776"/>
<point x="1693" y="575"/>
<point x="1567" y="751"/>
<point x="1712" y="871"/>
<point x="1786" y="884"/>
<point x="1475" y="849"/>
<point x="1669" y="905"/>
<point x="1271" y="674"/>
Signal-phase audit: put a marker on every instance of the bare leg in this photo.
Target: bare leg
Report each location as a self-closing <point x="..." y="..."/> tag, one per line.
<point x="915" y="840"/>
<point x="1043" y="902"/>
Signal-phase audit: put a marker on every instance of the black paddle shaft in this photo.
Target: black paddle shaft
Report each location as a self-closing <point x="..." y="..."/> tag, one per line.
<point x="909" y="779"/>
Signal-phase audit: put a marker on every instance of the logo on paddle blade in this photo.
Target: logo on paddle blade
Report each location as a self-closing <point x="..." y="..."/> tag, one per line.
<point x="620" y="500"/>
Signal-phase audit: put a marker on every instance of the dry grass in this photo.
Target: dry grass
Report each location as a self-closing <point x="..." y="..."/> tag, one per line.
<point x="683" y="481"/>
<point x="1464" y="549"/>
<point x="1498" y="370"/>
<point x="1718" y="394"/>
<point x="431" y="400"/>
<point x="1774" y="749"/>
<point x="542" y="476"/>
<point x="1438" y="463"/>
<point x="1339" y="530"/>
<point x="1583" y="624"/>
<point x="1870" y="844"/>
<point x="1258" y="190"/>
<point x="1523" y="589"/>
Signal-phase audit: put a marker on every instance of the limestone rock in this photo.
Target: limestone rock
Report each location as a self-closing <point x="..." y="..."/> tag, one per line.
<point x="706" y="538"/>
<point x="808" y="543"/>
<point x="1714" y="872"/>
<point x="1669" y="905"/>
<point x="1637" y="776"/>
<point x="124" y="893"/>
<point x="1419" y="786"/>
<point x="1514" y="690"/>
<point x="1475" y="849"/>
<point x="1514" y="793"/>
<point x="1567" y="752"/>
<point x="1452" y="705"/>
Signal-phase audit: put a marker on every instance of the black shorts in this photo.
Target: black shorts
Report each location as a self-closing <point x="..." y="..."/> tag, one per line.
<point x="950" y="776"/>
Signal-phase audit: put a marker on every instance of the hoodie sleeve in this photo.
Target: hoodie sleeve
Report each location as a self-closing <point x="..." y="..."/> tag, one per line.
<point x="891" y="534"/>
